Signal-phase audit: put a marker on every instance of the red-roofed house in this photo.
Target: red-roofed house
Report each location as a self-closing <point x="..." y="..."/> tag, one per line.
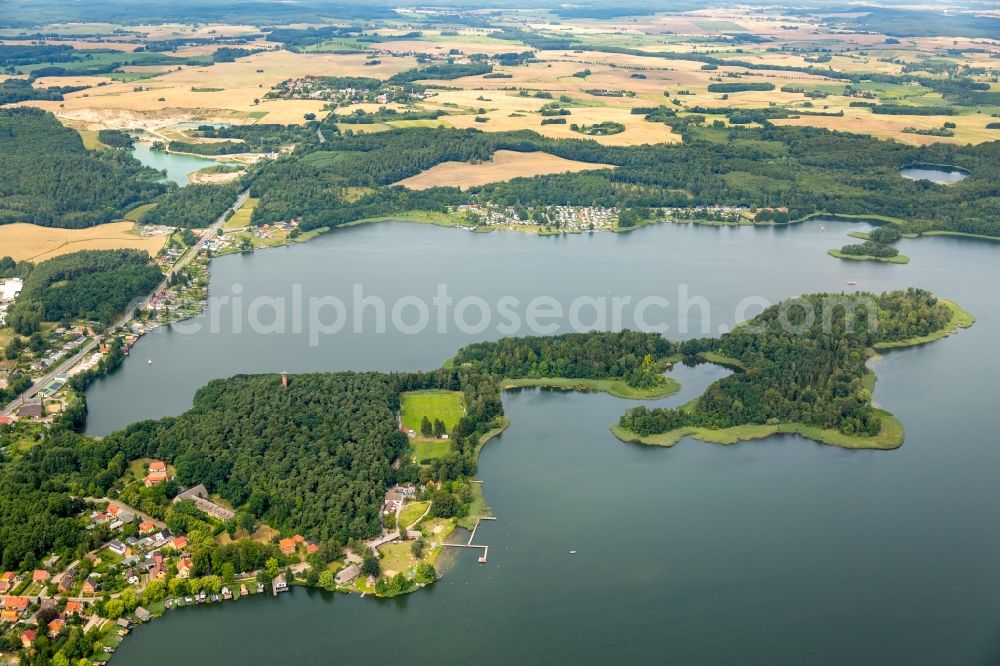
<point x="146" y="526"/>
<point x="55" y="626"/>
<point x="179" y="543"/>
<point x="287" y="546"/>
<point x="157" y="466"/>
<point x="74" y="607"/>
<point x="8" y="616"/>
<point x="19" y="604"/>
<point x="184" y="568"/>
<point x="155" y="478"/>
<point x="28" y="638"/>
<point x="40" y="576"/>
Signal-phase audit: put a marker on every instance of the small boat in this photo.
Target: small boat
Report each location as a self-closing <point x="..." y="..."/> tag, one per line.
<point x="851" y="282"/>
<point x="149" y="361"/>
<point x="572" y="552"/>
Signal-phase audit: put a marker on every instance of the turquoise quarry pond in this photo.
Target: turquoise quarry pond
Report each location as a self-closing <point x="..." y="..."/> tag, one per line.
<point x="780" y="550"/>
<point x="177" y="166"/>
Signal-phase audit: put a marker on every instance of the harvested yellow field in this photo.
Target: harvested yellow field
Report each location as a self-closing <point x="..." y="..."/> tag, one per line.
<point x="28" y="241"/>
<point x="230" y="92"/>
<point x="969" y="129"/>
<point x="505" y="165"/>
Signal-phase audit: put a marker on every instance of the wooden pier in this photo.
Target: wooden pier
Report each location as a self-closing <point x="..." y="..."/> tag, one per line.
<point x="469" y="544"/>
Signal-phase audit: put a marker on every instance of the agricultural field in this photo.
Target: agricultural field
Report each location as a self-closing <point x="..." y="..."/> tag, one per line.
<point x="600" y="70"/>
<point x="506" y="164"/>
<point x="31" y="242"/>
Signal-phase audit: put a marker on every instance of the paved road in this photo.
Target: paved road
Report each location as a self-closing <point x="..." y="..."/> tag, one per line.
<point x="319" y="134"/>
<point x="88" y="346"/>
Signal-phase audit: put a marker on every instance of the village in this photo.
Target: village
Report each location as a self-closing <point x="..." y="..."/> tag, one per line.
<point x="141" y="568"/>
<point x="341" y="92"/>
<point x="141" y="564"/>
<point x="579" y="219"/>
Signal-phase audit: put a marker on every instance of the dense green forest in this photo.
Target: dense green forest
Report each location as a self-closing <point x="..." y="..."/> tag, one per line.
<point x="807" y="170"/>
<point x="598" y="355"/>
<point x="20" y="90"/>
<point x="96" y="284"/>
<point x="313" y="458"/>
<point x="797" y="369"/>
<point x="47" y="177"/>
<point x="193" y="206"/>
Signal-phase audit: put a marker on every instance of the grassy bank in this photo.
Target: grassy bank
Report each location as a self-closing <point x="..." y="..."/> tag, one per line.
<point x="890" y="437"/>
<point x="898" y="259"/>
<point x="616" y="387"/>
<point x="960" y="234"/>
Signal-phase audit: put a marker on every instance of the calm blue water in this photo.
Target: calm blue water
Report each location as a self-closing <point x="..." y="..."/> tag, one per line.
<point x="939" y="176"/>
<point x="775" y="551"/>
<point x="177" y="166"/>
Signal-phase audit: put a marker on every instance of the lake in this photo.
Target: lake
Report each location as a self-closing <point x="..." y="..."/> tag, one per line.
<point x="177" y="166"/>
<point x="780" y="550"/>
<point x="941" y="175"/>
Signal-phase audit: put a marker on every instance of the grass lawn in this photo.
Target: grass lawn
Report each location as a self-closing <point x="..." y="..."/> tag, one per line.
<point x="449" y="406"/>
<point x="411" y="512"/>
<point x="436" y="530"/>
<point x="615" y="387"/>
<point x="241" y="218"/>
<point x="418" y="216"/>
<point x="719" y="359"/>
<point x="430" y="449"/>
<point x="396" y="557"/>
<point x="477" y="508"/>
<point x="136" y="213"/>
<point x="890" y="437"/>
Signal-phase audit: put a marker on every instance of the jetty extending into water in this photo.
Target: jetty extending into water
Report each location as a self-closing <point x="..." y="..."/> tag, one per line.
<point x="469" y="544"/>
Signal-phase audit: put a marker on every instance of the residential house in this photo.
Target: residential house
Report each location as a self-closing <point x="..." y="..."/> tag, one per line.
<point x="142" y="614"/>
<point x="9" y="616"/>
<point x="287" y="546"/>
<point x="147" y="526"/>
<point x="8" y="580"/>
<point x="30" y="410"/>
<point x="18" y="604"/>
<point x="74" y="607"/>
<point x="157" y="466"/>
<point x="65" y="582"/>
<point x="28" y="639"/>
<point x="158" y="572"/>
<point x="56" y="626"/>
<point x="184" y="568"/>
<point x="40" y="576"/>
<point x="154" y="478"/>
<point x="91" y="585"/>
<point x="280" y="584"/>
<point x="117" y="547"/>
<point x="179" y="543"/>
<point x="346" y="575"/>
<point x="132" y="577"/>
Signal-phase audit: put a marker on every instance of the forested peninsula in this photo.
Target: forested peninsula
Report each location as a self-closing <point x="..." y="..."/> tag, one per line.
<point x="314" y="454"/>
<point x="801" y="367"/>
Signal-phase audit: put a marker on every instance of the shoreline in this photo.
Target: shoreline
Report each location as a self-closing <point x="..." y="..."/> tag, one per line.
<point x="891" y="435"/>
<point x="900" y="259"/>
